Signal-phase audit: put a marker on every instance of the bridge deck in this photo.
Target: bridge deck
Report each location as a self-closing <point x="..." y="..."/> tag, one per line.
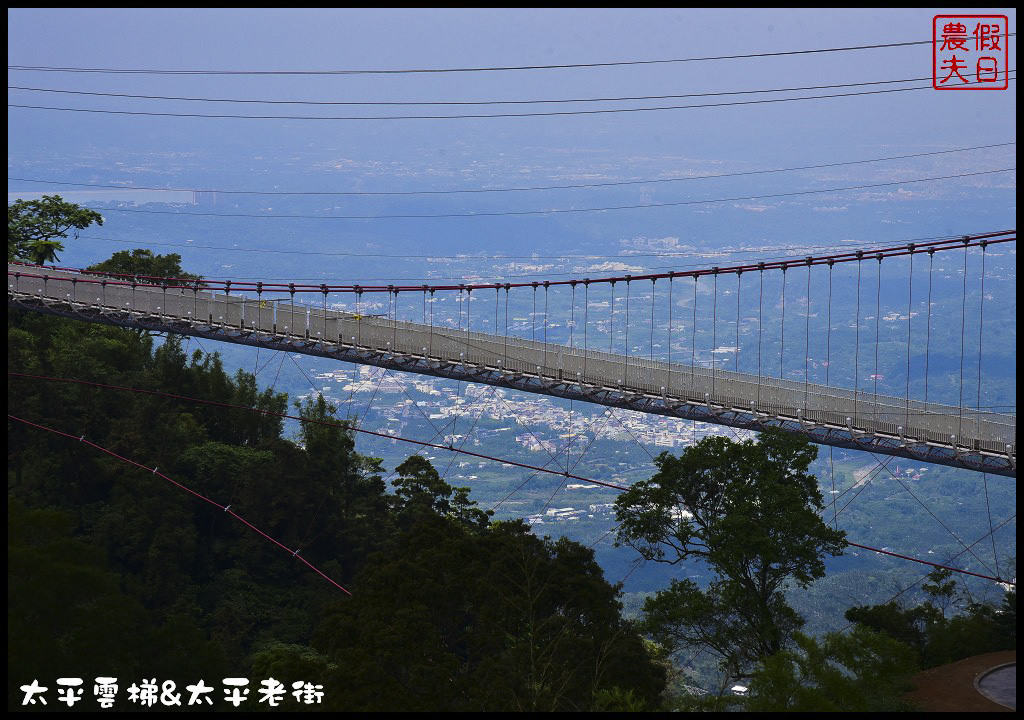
<point x="930" y="431"/>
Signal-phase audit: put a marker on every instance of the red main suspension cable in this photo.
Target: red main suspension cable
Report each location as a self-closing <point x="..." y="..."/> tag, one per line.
<point x="911" y="248"/>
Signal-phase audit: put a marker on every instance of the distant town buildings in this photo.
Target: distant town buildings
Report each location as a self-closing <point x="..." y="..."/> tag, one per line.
<point x="464" y="415"/>
<point x="535" y="422"/>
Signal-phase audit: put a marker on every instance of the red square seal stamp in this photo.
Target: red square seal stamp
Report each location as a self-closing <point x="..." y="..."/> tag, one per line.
<point x="970" y="52"/>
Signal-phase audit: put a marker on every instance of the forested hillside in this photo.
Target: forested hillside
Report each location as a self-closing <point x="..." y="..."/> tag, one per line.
<point x="113" y="571"/>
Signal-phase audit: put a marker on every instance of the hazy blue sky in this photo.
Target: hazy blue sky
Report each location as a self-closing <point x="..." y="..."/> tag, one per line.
<point x="440" y="154"/>
<point x="418" y="38"/>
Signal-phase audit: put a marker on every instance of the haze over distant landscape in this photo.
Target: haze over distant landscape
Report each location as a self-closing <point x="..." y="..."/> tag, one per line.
<point x="456" y="146"/>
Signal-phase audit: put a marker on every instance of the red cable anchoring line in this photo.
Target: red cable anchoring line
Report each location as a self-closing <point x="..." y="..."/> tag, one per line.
<point x="396" y="437"/>
<point x="227" y="509"/>
<point x="893" y="251"/>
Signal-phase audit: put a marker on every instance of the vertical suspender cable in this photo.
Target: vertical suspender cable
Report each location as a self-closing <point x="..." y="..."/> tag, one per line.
<point x="670" y="283"/>
<point x="693" y="351"/>
<point x="760" y="327"/>
<point x="611" y="319"/>
<point x="227" y="302"/>
<point x="856" y="353"/>
<point x="546" y="285"/>
<point x="463" y="300"/>
<point x="653" y="282"/>
<point x="878" y="313"/>
<point x="359" y="314"/>
<point x="572" y="332"/>
<point x="928" y="325"/>
<point x="828" y="368"/>
<point x="963" y="322"/>
<point x="828" y="331"/>
<point x="507" y="288"/>
<point x="533" y="324"/>
<point x="391" y="296"/>
<point x="323" y="288"/>
<point x="291" y="308"/>
<point x="739" y="291"/>
<point x="394" y="326"/>
<point x="782" y="349"/>
<point x="459" y="320"/>
<point x="469" y="317"/>
<point x="572" y="312"/>
<point x="981" y="326"/>
<point x="714" y="328"/>
<point x="625" y="362"/>
<point x="586" y="320"/>
<point x="693" y="340"/>
<point x="807" y="337"/>
<point x="910" y="305"/>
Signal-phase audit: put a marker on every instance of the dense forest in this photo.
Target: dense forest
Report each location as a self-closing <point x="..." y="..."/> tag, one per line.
<point x="116" y="572"/>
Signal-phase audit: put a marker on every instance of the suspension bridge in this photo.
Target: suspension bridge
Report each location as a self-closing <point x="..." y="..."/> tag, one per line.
<point x="674" y="366"/>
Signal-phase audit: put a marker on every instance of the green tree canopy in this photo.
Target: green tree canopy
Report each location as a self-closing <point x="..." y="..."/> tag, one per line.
<point x="142" y="264"/>
<point x="862" y="671"/>
<point x="419" y="488"/>
<point x="453" y="619"/>
<point x="750" y="511"/>
<point x="36" y="227"/>
<point x="946" y="626"/>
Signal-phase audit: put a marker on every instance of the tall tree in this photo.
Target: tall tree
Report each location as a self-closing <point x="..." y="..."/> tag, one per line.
<point x="748" y="510"/>
<point x="36" y="227"/>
